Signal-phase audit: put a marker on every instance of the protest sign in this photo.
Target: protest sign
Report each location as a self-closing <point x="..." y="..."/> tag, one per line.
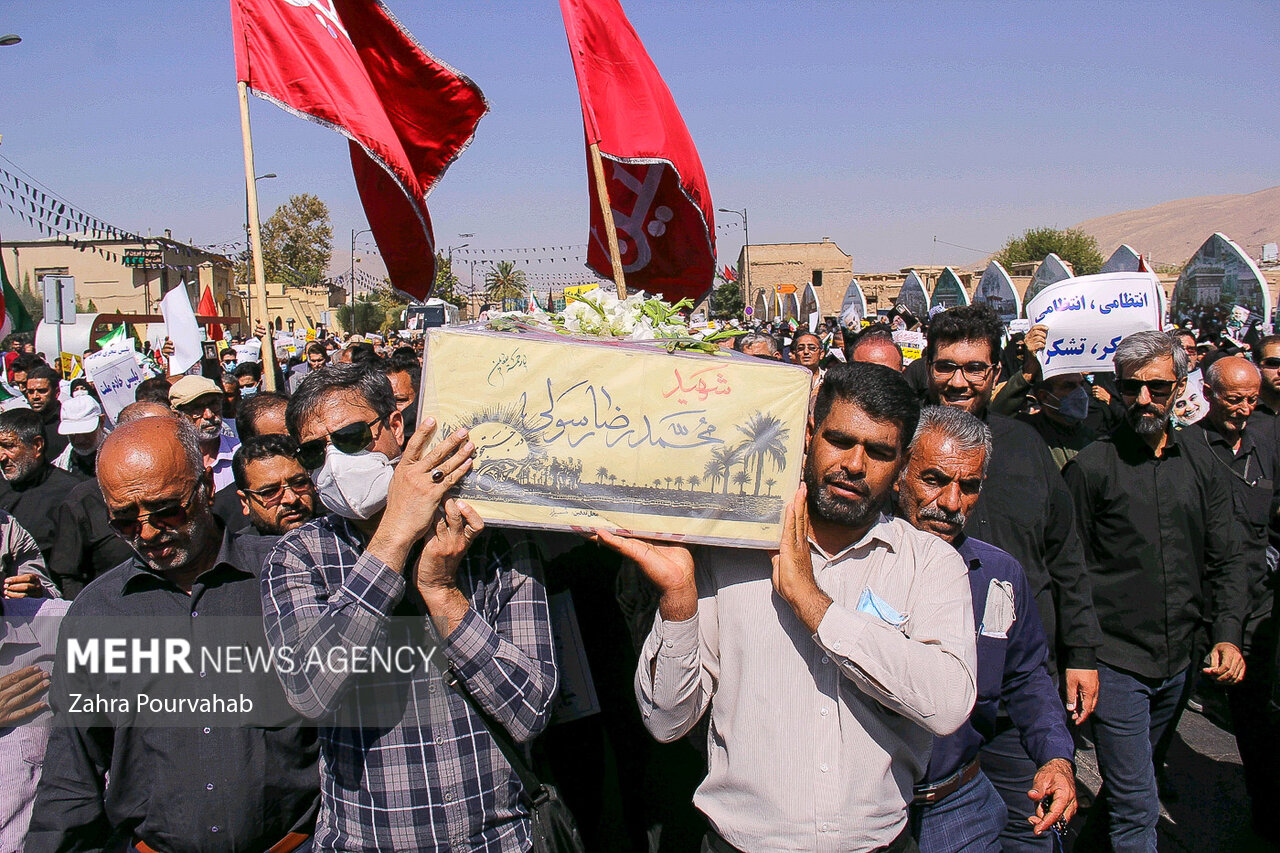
<point x="182" y="329"/>
<point x="911" y="344"/>
<point x="574" y="434"/>
<point x="116" y="374"/>
<point x="1088" y="316"/>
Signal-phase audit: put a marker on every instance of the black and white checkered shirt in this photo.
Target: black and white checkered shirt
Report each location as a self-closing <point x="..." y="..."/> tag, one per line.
<point x="405" y="763"/>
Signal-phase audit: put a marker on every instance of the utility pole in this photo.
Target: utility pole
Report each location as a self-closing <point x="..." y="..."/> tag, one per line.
<point x="354" y="233"/>
<point x="746" y="255"/>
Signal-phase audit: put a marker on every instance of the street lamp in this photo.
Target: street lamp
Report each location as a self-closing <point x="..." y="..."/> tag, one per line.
<point x="8" y="39"/>
<point x="354" y="234"/>
<point x="248" y="248"/>
<point x="746" y="255"/>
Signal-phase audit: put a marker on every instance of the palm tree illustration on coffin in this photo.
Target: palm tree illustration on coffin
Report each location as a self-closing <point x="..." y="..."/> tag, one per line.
<point x="766" y="442"/>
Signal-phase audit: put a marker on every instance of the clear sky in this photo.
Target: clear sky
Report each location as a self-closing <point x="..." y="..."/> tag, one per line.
<point x="878" y="124"/>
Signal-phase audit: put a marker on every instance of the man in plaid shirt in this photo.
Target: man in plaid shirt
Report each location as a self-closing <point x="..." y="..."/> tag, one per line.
<point x="406" y="764"/>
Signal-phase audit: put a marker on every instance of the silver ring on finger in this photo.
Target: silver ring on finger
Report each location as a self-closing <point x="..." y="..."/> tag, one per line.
<point x="437" y="476"/>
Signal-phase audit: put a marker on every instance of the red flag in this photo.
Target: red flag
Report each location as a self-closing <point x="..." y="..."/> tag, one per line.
<point x="729" y="274"/>
<point x="207" y="308"/>
<point x="657" y="189"/>
<point x="349" y="65"/>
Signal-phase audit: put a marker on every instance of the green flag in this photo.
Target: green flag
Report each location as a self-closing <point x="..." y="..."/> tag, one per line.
<point x="111" y="337"/>
<point x="16" y="318"/>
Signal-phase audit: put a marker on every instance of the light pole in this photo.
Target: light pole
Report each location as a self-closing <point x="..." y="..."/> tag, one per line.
<point x="248" y="313"/>
<point x="354" y="234"/>
<point x="746" y="257"/>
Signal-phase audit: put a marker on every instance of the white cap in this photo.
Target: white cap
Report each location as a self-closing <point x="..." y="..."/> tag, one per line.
<point x="80" y="415"/>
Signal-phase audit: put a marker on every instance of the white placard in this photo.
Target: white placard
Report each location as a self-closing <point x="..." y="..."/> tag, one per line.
<point x="116" y="374"/>
<point x="1089" y="315"/>
<point x="181" y="327"/>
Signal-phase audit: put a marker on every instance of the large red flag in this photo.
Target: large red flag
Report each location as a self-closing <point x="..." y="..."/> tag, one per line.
<point x="349" y="65"/>
<point x="657" y="189"/>
<point x="207" y="308"/>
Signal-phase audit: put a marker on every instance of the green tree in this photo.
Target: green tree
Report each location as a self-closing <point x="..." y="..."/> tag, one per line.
<point x="297" y="241"/>
<point x="31" y="300"/>
<point x="392" y="302"/>
<point x="369" y="315"/>
<point x="1072" y="245"/>
<point x="504" y="281"/>
<point x="726" y="300"/>
<point x="447" y="286"/>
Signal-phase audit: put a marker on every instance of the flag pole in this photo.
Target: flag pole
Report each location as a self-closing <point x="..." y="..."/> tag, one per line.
<point x="602" y="190"/>
<point x="255" y="244"/>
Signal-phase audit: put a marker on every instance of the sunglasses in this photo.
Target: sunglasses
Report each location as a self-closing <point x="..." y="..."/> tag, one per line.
<point x="1270" y="363"/>
<point x="1159" y="389"/>
<point x="351" y="438"/>
<point x="165" y="518"/>
<point x="273" y="494"/>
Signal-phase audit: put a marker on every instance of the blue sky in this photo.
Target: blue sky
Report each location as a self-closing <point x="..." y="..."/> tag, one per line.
<point x="879" y="124"/>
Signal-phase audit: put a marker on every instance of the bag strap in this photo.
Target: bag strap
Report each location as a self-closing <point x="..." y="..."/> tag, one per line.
<point x="534" y="791"/>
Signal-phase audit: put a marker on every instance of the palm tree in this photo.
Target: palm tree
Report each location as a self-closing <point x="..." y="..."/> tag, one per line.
<point x="679" y="483"/>
<point x="668" y="479"/>
<point x="504" y="281"/>
<point x="770" y="483"/>
<point x="694" y="482"/>
<point x="740" y="480"/>
<point x="766" y="441"/>
<point x="720" y="465"/>
<point x="601" y="473"/>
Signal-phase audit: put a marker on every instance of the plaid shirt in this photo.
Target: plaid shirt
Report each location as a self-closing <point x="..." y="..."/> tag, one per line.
<point x="418" y="769"/>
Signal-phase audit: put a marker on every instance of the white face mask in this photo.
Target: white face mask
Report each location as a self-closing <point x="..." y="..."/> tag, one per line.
<point x="354" y="485"/>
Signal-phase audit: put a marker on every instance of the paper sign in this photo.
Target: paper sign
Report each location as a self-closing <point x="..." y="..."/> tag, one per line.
<point x="911" y="344"/>
<point x="116" y="374"/>
<point x="1088" y="316"/>
<point x="182" y="328"/>
<point x="1021" y="324"/>
<point x="573" y="434"/>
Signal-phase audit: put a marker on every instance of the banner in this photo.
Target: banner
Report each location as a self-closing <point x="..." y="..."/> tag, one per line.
<point x="574" y="435"/>
<point x="348" y="65"/>
<point x="657" y="188"/>
<point x="1088" y="316"/>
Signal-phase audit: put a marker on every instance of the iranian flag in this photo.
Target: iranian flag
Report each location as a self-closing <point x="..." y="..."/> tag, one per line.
<point x="16" y="318"/>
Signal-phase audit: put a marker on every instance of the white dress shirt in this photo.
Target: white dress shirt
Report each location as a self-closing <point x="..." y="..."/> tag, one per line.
<point x="816" y="739"/>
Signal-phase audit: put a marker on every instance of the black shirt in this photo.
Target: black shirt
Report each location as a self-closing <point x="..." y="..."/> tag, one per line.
<point x="1157" y="531"/>
<point x="1026" y="510"/>
<point x="228" y="509"/>
<point x="221" y="783"/>
<point x="54" y="442"/>
<point x="86" y="546"/>
<point x="35" y="503"/>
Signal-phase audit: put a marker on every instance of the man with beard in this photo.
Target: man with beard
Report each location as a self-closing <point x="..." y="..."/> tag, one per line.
<point x="276" y="493"/>
<point x="959" y="809"/>
<point x="1026" y="511"/>
<point x="1156" y="521"/>
<point x="32" y="489"/>
<point x="1245" y="448"/>
<point x="260" y="414"/>
<point x="1266" y="355"/>
<point x="82" y="424"/>
<point x="255" y="771"/>
<point x="42" y="389"/>
<point x="199" y="400"/>
<point x="829" y="668"/>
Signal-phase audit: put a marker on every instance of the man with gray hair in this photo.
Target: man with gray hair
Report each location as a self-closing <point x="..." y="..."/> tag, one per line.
<point x="957" y="806"/>
<point x="759" y="344"/>
<point x="1156" y="521"/>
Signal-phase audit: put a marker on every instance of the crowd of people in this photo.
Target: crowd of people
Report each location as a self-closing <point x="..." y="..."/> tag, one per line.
<point x="982" y="567"/>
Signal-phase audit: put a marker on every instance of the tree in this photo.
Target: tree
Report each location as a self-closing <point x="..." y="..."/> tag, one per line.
<point x="447" y="286"/>
<point x="726" y="300"/>
<point x="369" y="315"/>
<point x="1072" y="245"/>
<point x="297" y="241"/>
<point x="740" y="480"/>
<point x="391" y="302"/>
<point x="504" y="281"/>
<point x="766" y="441"/>
<point x="32" y="301"/>
<point x="720" y="466"/>
<point x="694" y="480"/>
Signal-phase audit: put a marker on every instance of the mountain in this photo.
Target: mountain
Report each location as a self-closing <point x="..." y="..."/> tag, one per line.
<point x="1171" y="232"/>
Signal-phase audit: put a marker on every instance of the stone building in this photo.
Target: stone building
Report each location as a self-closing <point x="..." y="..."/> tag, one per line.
<point x="790" y="271"/>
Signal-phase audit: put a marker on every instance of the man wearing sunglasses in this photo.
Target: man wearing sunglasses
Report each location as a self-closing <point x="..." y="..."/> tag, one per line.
<point x="1266" y="355"/>
<point x="254" y="768"/>
<point x="1025" y="510"/>
<point x="1163" y="556"/>
<point x="398" y="561"/>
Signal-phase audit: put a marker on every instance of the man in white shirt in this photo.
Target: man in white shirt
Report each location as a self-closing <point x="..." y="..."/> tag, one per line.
<point x="828" y="666"/>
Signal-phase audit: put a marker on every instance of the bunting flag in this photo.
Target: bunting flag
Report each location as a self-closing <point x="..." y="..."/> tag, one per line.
<point x="207" y="308"/>
<point x="348" y="65"/>
<point x="657" y="189"/>
<point x="16" y="318"/>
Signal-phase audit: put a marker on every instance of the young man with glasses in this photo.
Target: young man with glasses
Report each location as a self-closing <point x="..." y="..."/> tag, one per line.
<point x="276" y="492"/>
<point x="1157" y="524"/>
<point x="1026" y="510"/>
<point x="395" y="544"/>
<point x="241" y="779"/>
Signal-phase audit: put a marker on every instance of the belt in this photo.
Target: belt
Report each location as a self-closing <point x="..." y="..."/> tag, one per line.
<point x="929" y="794"/>
<point x="288" y="844"/>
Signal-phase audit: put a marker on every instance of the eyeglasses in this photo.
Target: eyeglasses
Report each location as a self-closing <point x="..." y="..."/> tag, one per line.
<point x="1237" y="400"/>
<point x="165" y="518"/>
<point x="808" y="348"/>
<point x="351" y="438"/>
<point x="1159" y="389"/>
<point x="1270" y="363"/>
<point x="974" y="371"/>
<point x="273" y="494"/>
